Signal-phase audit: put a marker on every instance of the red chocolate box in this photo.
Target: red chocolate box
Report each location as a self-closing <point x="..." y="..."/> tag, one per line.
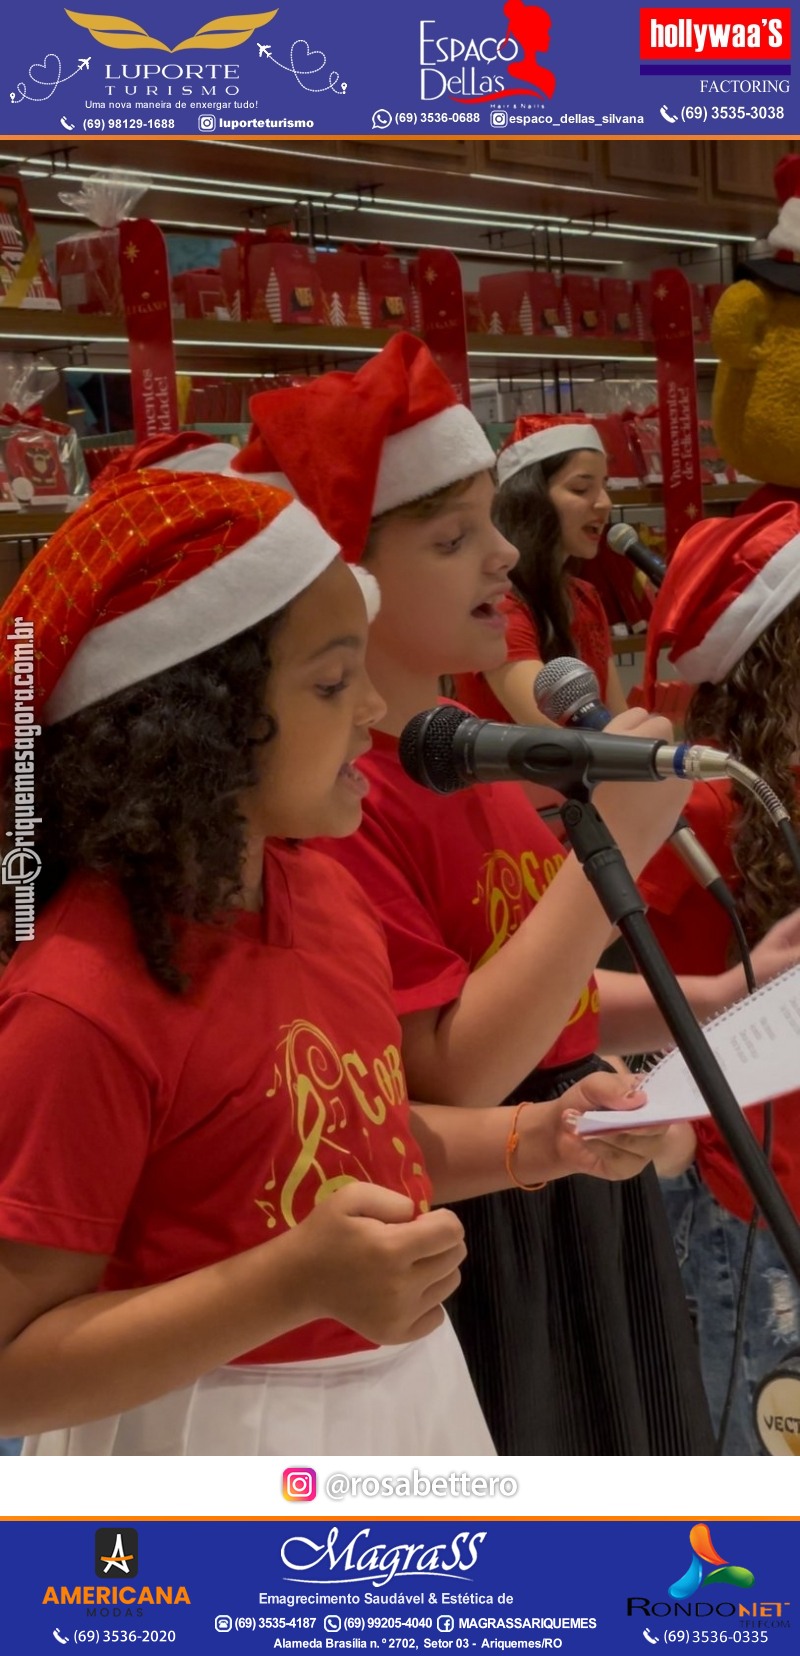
<point x="583" y="307"/>
<point x="199" y="293"/>
<point x="616" y="296"/>
<point x="524" y="302"/>
<point x="284" y="284"/>
<point x="389" y="291"/>
<point x="345" y="301"/>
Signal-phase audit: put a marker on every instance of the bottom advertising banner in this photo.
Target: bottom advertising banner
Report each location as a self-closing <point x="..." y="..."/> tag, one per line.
<point x="589" y="1586"/>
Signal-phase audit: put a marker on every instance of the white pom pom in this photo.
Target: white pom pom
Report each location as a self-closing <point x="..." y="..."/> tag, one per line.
<point x="786" y="234"/>
<point x="369" y="588"/>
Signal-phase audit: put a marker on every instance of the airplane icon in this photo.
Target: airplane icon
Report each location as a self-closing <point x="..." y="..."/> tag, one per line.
<point x="83" y="63"/>
<point x="264" y="50"/>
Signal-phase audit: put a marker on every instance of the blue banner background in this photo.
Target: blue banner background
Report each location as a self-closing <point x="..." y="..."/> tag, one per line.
<point x="546" y="1569"/>
<point x="359" y="70"/>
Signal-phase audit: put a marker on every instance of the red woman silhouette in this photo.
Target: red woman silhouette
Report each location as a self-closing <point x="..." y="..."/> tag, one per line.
<point x="530" y="27"/>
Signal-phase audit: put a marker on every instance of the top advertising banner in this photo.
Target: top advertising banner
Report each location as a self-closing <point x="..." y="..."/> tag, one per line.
<point x="445" y="68"/>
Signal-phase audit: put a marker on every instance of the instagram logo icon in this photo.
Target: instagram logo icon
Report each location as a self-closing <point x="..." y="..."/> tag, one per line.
<point x="299" y="1483"/>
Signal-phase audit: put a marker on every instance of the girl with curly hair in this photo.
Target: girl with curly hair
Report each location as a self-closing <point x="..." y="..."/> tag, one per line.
<point x="216" y="1233"/>
<point x="730" y="611"/>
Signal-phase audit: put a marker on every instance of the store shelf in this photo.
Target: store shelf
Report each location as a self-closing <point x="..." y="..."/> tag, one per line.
<point x="204" y="344"/>
<point x="631" y="644"/>
<point x="716" y="494"/>
<point x="31" y="525"/>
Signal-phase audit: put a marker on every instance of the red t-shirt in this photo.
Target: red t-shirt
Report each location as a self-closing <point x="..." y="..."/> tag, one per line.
<point x="695" y="934"/>
<point x="171" y="1132"/>
<point x="452" y="878"/>
<point x="590" y="635"/>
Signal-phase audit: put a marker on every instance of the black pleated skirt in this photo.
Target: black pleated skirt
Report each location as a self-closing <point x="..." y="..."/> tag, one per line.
<point x="572" y="1317"/>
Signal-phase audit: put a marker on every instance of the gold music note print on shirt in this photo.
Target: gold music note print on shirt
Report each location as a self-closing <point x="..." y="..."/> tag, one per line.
<point x="336" y="1101"/>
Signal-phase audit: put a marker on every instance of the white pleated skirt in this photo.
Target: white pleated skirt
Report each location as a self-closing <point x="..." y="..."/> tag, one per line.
<point x="399" y="1400"/>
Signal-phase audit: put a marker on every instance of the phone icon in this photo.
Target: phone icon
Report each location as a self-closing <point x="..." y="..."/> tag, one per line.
<point x="59" y="1636"/>
<point x="651" y="1638"/>
<point x="666" y="114"/>
<point x="68" y="128"/>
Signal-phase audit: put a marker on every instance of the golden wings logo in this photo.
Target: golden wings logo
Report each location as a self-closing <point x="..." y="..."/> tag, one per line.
<point x="220" y="33"/>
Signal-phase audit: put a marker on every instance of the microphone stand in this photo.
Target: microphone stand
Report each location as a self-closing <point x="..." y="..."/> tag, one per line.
<point x="605" y="868"/>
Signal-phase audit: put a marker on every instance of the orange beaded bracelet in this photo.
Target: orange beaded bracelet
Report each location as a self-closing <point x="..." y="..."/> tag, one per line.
<point x="511" y="1144"/>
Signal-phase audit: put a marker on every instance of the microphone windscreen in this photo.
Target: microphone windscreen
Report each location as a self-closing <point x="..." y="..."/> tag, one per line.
<point x="426" y="748"/>
<point x="563" y="686"/>
<point x="621" y="537"/>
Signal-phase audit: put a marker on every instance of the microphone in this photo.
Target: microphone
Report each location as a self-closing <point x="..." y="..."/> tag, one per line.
<point x="567" y="691"/>
<point x="447" y="749"/>
<point x="622" y="538"/>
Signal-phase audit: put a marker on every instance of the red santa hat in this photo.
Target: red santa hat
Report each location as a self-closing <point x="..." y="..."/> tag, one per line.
<point x="257" y="464"/>
<point x="727" y="581"/>
<point x="354" y="446"/>
<point x="179" y="451"/>
<point x="541" y="437"/>
<point x="152" y="570"/>
<point x="777" y="259"/>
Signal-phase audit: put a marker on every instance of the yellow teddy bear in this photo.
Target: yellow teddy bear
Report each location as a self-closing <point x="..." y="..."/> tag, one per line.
<point x="756" y="335"/>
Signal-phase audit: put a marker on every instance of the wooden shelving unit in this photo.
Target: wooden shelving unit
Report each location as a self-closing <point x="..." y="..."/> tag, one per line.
<point x="205" y="344"/>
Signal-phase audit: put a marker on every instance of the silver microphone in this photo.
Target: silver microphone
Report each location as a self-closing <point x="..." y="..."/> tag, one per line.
<point x="567" y="691"/>
<point x="622" y="538"/>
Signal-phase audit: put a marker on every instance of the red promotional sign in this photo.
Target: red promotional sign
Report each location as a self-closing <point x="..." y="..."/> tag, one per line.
<point x="444" y="322"/>
<point x="147" y="299"/>
<point x="715" y="34"/>
<point x="673" y="333"/>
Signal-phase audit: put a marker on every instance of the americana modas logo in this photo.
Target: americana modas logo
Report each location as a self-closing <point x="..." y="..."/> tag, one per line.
<point x="220" y="34"/>
<point x="116" y="1553"/>
<point x="116" y="1594"/>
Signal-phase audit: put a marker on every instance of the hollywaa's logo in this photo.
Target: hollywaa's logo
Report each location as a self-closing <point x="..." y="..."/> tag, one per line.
<point x="526" y="40"/>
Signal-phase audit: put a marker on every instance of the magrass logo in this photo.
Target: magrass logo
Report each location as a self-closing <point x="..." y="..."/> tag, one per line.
<point x="704" y="1552"/>
<point x="116" y="1553"/>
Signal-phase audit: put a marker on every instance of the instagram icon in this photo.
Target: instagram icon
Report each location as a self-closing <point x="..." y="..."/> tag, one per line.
<point x="299" y="1483"/>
